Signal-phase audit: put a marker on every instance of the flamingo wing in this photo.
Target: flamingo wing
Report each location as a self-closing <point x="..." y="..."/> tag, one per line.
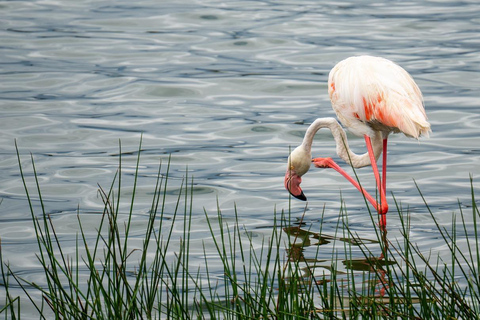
<point x="372" y="93"/>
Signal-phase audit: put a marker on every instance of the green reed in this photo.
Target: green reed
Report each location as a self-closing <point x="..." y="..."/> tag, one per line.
<point x="113" y="275"/>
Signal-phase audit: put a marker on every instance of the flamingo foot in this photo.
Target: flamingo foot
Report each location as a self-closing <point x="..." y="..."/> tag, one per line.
<point x="322" y="162"/>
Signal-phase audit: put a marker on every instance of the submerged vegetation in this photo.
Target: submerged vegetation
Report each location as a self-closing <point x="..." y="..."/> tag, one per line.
<point x="115" y="274"/>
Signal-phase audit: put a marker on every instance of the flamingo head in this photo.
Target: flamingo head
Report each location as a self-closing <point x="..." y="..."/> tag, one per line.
<point x="298" y="164"/>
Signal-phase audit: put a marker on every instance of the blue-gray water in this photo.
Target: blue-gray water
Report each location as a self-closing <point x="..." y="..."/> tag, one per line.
<point x="223" y="87"/>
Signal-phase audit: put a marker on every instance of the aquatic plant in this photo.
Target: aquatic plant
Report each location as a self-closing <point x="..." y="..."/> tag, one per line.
<point x="116" y="274"/>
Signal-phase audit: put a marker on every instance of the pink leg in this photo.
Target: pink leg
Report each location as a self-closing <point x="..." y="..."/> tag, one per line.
<point x="329" y="163"/>
<point x="383" y="208"/>
<point x="384" y="165"/>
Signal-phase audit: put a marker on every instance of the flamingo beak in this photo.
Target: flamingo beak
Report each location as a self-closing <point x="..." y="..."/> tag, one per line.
<point x="292" y="184"/>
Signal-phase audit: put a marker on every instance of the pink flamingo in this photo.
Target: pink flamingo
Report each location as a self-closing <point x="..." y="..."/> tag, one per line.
<point x="373" y="97"/>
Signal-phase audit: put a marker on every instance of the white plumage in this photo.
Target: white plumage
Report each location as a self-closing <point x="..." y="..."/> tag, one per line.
<point x="373" y="93"/>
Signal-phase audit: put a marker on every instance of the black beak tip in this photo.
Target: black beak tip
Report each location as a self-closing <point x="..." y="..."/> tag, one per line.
<point x="301" y="196"/>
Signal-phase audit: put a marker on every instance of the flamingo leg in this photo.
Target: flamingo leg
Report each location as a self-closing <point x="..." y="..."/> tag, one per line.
<point x="329" y="163"/>
<point x="382" y="209"/>
<point x="384" y="165"/>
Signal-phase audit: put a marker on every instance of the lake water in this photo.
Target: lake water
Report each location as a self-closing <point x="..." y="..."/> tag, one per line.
<point x="226" y="88"/>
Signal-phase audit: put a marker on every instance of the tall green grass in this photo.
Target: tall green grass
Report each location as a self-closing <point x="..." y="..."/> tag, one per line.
<point x="112" y="275"/>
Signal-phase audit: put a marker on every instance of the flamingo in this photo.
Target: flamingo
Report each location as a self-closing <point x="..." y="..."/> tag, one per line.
<point x="372" y="97"/>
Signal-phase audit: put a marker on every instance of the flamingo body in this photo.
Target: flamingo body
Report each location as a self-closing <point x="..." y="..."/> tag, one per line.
<point x="372" y="97"/>
<point x="374" y="94"/>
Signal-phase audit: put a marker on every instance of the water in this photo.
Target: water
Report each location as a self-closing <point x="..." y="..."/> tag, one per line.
<point x="225" y="88"/>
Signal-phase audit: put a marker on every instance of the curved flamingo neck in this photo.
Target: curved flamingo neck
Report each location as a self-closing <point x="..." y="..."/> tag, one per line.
<point x="343" y="149"/>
